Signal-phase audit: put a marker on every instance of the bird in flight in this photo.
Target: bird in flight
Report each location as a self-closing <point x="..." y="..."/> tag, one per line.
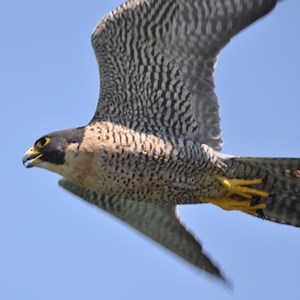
<point x="155" y="139"/>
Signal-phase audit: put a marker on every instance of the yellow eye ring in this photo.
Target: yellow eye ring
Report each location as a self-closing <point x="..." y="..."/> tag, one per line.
<point x="42" y="142"/>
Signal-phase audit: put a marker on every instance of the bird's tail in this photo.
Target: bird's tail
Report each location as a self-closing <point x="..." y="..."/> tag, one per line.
<point x="281" y="179"/>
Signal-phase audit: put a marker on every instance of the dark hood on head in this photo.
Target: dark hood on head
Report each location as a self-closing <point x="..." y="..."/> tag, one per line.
<point x="54" y="152"/>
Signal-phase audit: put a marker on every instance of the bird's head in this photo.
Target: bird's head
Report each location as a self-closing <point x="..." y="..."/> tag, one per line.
<point x="49" y="151"/>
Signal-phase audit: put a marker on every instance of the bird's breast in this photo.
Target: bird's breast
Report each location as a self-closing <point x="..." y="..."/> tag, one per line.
<point x="136" y="165"/>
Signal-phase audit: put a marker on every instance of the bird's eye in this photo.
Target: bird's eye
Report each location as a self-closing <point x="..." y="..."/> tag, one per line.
<point x="42" y="142"/>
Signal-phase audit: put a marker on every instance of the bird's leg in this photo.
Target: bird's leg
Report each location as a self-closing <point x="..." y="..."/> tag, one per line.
<point x="239" y="187"/>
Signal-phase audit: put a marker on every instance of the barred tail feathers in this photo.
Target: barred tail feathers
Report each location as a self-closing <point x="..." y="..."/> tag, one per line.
<point x="281" y="179"/>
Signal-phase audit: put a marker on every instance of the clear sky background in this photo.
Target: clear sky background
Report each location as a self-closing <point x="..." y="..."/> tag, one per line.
<point x="56" y="246"/>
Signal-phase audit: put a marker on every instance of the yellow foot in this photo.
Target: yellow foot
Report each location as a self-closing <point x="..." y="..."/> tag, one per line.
<point x="235" y="204"/>
<point x="239" y="187"/>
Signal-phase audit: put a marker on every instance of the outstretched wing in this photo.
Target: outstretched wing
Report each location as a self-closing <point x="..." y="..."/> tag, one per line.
<point x="159" y="222"/>
<point x="157" y="59"/>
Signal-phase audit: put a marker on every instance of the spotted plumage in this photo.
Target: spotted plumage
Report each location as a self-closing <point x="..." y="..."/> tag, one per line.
<point x="155" y="138"/>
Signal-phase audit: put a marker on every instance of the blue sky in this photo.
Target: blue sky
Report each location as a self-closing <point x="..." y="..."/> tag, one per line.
<point x="55" y="246"/>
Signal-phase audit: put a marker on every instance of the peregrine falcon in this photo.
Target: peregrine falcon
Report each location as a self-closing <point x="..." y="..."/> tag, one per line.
<point x="155" y="139"/>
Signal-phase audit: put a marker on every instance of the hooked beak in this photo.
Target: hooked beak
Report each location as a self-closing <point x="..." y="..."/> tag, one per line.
<point x="31" y="158"/>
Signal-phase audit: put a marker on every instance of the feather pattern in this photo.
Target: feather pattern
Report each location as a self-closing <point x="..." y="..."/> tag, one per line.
<point x="157" y="62"/>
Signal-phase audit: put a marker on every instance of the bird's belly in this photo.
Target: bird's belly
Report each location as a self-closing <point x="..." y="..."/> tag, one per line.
<point x="145" y="180"/>
<point x="160" y="189"/>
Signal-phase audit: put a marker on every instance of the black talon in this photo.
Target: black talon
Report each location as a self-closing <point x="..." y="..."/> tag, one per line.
<point x="260" y="213"/>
